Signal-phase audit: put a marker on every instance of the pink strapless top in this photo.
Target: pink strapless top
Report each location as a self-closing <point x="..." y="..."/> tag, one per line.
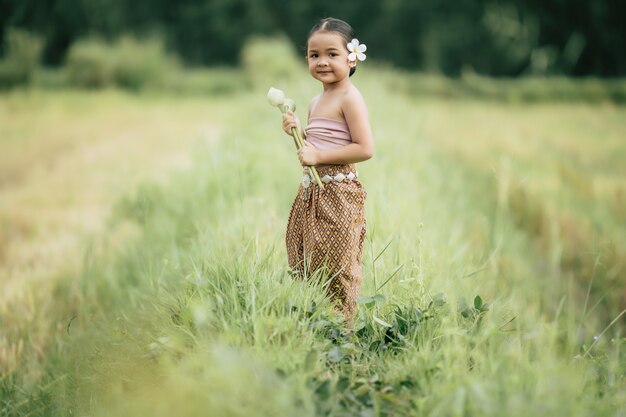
<point x="327" y="134"/>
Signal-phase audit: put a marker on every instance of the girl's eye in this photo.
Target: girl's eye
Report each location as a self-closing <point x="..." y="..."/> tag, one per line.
<point x="333" y="54"/>
<point x="313" y="55"/>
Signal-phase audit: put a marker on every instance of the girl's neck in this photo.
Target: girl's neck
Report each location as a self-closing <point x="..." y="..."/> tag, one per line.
<point x="339" y="85"/>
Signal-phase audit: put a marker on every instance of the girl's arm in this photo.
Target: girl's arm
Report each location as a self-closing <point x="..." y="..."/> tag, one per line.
<point x="362" y="146"/>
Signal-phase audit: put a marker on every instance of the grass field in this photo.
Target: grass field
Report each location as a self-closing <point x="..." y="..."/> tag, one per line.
<point x="144" y="272"/>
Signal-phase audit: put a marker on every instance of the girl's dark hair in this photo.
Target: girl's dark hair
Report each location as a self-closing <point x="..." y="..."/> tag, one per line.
<point x="331" y="24"/>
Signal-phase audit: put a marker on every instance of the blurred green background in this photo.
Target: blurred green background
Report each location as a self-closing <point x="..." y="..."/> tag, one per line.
<point x="145" y="185"/>
<point x="488" y="37"/>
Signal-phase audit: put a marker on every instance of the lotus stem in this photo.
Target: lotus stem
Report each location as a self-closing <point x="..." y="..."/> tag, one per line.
<point x="300" y="144"/>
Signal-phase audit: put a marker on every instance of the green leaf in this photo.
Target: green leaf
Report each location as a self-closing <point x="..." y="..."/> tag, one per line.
<point x="439" y="299"/>
<point x="398" y="268"/>
<point x="381" y="322"/>
<point x="383" y="251"/>
<point x="364" y="300"/>
<point x="343" y="383"/>
<point x="379" y="298"/>
<point x="335" y="354"/>
<point x="478" y="302"/>
<point x="369" y="302"/>
<point x="323" y="390"/>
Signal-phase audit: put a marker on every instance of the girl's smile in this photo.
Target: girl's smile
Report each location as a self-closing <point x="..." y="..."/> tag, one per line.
<point x="327" y="56"/>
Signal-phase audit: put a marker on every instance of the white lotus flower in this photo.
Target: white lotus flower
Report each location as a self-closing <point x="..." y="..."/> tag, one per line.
<point x="276" y="97"/>
<point x="356" y="50"/>
<point x="289" y="104"/>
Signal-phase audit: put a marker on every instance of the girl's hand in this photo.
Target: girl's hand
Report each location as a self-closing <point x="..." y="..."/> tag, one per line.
<point x="291" y="120"/>
<point x="308" y="155"/>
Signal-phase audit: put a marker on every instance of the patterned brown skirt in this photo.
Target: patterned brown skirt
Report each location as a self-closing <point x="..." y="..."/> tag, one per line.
<point x="325" y="234"/>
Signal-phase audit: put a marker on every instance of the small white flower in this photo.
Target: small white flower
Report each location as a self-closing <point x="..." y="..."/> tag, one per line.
<point x="356" y="50"/>
<point x="276" y="97"/>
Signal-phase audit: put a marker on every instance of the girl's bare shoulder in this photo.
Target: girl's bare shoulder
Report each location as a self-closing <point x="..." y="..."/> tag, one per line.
<point x="353" y="94"/>
<point x="352" y="99"/>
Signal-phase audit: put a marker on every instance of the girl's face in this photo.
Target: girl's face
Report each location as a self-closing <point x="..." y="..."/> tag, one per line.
<point x="327" y="56"/>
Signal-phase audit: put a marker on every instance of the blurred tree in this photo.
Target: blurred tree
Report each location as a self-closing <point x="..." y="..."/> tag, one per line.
<point x="496" y="37"/>
<point x="21" y="59"/>
<point x="588" y="37"/>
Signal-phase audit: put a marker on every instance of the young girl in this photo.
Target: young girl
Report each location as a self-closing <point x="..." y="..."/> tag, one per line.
<point x="326" y="228"/>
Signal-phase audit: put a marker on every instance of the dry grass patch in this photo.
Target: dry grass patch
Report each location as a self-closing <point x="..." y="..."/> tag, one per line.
<point x="66" y="157"/>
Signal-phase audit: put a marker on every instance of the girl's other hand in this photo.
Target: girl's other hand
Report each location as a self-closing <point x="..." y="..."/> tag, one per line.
<point x="291" y="120"/>
<point x="308" y="155"/>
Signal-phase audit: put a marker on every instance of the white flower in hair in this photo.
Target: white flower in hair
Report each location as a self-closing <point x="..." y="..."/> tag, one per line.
<point x="356" y="50"/>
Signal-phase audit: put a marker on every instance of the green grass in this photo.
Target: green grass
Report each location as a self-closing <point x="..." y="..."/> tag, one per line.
<point x="470" y="312"/>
